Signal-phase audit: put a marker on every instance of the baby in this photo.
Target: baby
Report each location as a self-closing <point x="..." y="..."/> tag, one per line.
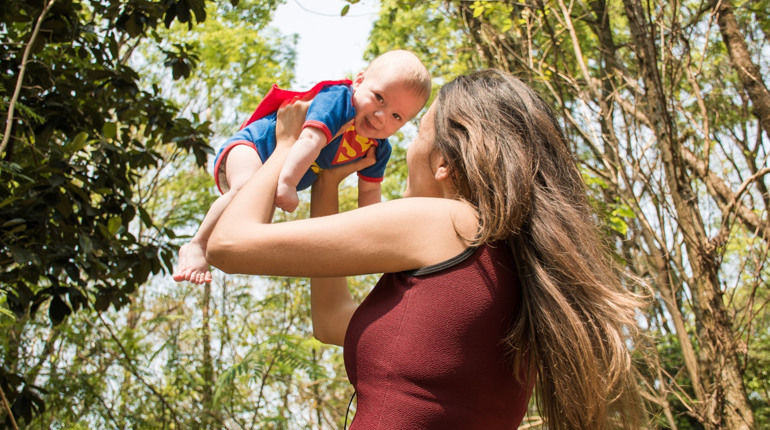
<point x="345" y="119"/>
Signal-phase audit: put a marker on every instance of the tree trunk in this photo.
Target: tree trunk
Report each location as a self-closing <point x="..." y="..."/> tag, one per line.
<point x="207" y="368"/>
<point x="726" y="403"/>
<point x="740" y="58"/>
<point x="664" y="285"/>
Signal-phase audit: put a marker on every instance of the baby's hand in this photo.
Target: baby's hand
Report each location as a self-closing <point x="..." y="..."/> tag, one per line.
<point x="286" y="197"/>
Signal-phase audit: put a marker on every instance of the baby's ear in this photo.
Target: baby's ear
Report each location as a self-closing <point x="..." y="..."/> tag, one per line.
<point x="359" y="78"/>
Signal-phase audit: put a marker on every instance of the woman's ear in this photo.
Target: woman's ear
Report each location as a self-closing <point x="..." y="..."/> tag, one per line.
<point x="444" y="178"/>
<point x="442" y="169"/>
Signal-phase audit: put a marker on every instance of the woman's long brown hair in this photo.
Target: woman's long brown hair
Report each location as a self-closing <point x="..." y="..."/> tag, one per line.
<point x="510" y="159"/>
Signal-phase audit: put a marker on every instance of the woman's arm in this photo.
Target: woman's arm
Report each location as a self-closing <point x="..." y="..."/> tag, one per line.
<point x="388" y="237"/>
<point x="391" y="236"/>
<point x="332" y="305"/>
<point x="369" y="193"/>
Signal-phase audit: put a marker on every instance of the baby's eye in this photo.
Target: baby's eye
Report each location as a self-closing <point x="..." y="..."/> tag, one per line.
<point x="379" y="98"/>
<point x="397" y="117"/>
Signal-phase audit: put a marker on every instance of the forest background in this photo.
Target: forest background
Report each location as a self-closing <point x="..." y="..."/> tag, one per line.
<point x="109" y="113"/>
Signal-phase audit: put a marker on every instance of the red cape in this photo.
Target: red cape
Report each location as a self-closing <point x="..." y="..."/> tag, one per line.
<point x="276" y="96"/>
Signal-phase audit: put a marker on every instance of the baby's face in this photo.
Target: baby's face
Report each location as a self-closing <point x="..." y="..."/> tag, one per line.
<point x="383" y="104"/>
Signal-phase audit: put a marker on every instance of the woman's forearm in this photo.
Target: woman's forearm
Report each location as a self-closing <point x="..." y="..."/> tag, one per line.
<point x="332" y="305"/>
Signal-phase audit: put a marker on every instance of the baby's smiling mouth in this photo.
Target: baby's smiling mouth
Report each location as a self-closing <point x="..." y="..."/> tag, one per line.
<point x="368" y="124"/>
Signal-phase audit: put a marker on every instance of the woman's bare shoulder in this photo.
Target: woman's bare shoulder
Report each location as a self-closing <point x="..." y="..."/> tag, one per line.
<point x="444" y="212"/>
<point x="436" y="226"/>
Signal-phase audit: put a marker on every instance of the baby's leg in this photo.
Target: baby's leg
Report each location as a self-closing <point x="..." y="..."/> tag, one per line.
<point x="240" y="165"/>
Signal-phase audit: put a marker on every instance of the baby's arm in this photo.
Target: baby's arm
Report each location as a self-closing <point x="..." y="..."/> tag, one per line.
<point x="369" y="193"/>
<point x="300" y="158"/>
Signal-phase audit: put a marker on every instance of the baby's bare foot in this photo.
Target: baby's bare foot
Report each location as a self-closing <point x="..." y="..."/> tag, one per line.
<point x="192" y="265"/>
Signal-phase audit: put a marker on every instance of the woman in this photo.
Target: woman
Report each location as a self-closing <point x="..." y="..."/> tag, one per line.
<point x="495" y="279"/>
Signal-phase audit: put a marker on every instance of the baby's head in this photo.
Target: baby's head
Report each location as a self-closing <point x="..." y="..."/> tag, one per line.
<point x="390" y="92"/>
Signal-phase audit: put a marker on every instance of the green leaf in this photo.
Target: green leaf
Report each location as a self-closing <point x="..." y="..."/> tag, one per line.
<point x="198" y="7"/>
<point x="619" y="225"/>
<point x="102" y="301"/>
<point x="133" y="26"/>
<point x="8" y="201"/>
<point x="13" y="222"/>
<point x="624" y="211"/>
<point x="145" y="216"/>
<point x="507" y="25"/>
<point x="20" y="255"/>
<point x="183" y="11"/>
<point x="345" y="10"/>
<point x="114" y="224"/>
<point x="86" y="246"/>
<point x="110" y="130"/>
<point x="78" y="143"/>
<point x="6" y="312"/>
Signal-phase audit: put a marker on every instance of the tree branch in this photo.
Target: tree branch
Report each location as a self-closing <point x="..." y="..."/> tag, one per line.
<point x="132" y="369"/>
<point x="8" y="409"/>
<point x="20" y="78"/>
<point x="724" y="196"/>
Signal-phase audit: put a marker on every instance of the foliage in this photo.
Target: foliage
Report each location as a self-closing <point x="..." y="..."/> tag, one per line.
<point x="238" y="58"/>
<point x="78" y="132"/>
<point x="78" y="232"/>
<point x="82" y="133"/>
<point x="425" y="30"/>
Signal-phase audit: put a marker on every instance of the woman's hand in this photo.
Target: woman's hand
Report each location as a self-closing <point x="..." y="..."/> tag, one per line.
<point x="336" y="175"/>
<point x="324" y="194"/>
<point x="289" y="121"/>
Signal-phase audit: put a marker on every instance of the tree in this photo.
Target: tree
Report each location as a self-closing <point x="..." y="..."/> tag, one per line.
<point x="80" y="131"/>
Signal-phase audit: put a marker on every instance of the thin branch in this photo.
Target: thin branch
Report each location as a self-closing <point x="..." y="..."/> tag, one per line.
<point x="737" y="196"/>
<point x="8" y="408"/>
<point x="20" y="78"/>
<point x="724" y="196"/>
<point x="132" y="369"/>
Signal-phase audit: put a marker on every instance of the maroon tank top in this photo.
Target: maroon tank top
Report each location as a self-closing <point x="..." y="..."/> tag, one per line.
<point x="424" y="350"/>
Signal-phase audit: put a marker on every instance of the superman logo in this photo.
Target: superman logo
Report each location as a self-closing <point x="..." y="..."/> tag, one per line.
<point x="352" y="146"/>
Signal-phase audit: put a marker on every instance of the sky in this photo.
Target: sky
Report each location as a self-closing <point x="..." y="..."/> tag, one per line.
<point x="330" y="46"/>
